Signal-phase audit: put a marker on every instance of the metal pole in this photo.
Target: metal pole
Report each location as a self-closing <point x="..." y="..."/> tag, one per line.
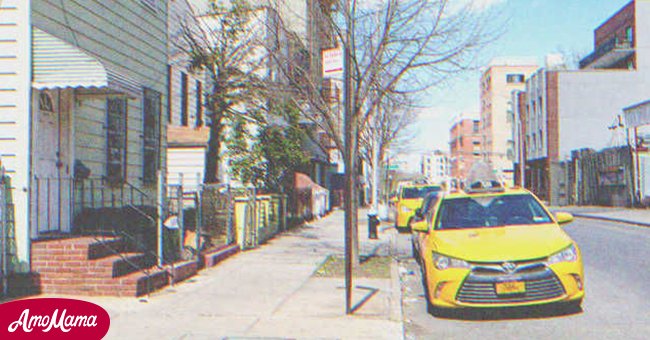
<point x="198" y="220"/>
<point x="350" y="169"/>
<point x="375" y="171"/>
<point x="638" y="174"/>
<point x="522" y="156"/>
<point x="159" y="207"/>
<point x="181" y="224"/>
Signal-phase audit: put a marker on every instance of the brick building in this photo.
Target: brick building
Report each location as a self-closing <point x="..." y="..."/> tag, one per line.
<point x="464" y="146"/>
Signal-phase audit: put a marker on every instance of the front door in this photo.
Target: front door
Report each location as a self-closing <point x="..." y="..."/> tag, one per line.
<point x="52" y="184"/>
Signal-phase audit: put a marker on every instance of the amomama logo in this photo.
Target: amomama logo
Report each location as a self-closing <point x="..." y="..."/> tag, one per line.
<point x="53" y="318"/>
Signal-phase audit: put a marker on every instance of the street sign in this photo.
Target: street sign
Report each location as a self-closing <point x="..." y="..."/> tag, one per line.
<point x="332" y="62"/>
<point x="392" y="167"/>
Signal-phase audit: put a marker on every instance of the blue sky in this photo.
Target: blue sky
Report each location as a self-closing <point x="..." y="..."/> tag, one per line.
<point x="535" y="28"/>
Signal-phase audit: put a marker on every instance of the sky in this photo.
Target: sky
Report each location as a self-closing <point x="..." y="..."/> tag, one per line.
<point x="534" y="29"/>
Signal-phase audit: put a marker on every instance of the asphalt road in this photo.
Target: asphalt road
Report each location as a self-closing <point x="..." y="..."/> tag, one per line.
<point x="616" y="306"/>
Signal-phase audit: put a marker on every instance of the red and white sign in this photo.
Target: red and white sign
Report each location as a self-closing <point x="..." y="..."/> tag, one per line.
<point x="332" y="62"/>
<point x="53" y="318"/>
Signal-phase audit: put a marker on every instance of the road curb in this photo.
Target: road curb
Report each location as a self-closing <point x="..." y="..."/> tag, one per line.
<point x="396" y="312"/>
<point x="612" y="219"/>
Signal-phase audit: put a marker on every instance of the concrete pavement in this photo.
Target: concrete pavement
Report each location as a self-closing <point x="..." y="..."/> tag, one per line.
<point x="270" y="292"/>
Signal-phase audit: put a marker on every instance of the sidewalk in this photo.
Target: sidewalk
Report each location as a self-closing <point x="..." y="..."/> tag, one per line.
<point x="269" y="292"/>
<point x="639" y="217"/>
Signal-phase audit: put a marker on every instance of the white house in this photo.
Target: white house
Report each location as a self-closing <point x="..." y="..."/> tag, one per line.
<point x="83" y="89"/>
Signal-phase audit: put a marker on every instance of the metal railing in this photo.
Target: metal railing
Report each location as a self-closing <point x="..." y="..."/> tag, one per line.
<point x="8" y="259"/>
<point x="111" y="202"/>
<point x="51" y="198"/>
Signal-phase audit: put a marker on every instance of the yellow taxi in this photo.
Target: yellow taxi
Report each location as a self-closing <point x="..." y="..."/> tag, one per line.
<point x="408" y="200"/>
<point x="490" y="246"/>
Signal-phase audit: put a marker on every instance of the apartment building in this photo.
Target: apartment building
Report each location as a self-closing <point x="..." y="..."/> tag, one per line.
<point x="498" y="81"/>
<point x="434" y="166"/>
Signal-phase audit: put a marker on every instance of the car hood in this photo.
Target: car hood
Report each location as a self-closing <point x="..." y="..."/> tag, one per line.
<point x="512" y="243"/>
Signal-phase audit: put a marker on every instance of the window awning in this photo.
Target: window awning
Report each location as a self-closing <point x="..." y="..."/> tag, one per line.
<point x="58" y="64"/>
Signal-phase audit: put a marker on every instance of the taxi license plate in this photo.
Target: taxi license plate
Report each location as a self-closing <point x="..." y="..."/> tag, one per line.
<point x="511" y="287"/>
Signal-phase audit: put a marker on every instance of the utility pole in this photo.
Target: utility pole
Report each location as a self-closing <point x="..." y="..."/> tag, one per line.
<point x="375" y="166"/>
<point x="350" y="140"/>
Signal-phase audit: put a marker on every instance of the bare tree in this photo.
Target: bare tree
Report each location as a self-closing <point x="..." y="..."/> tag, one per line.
<point x="387" y="127"/>
<point x="397" y="47"/>
<point x="227" y="45"/>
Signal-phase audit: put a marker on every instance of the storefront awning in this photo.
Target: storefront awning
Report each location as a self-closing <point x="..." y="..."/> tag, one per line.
<point x="58" y="64"/>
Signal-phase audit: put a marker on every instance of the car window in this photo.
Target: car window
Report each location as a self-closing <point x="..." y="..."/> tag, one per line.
<point x="429" y="203"/>
<point x="419" y="192"/>
<point x="490" y="211"/>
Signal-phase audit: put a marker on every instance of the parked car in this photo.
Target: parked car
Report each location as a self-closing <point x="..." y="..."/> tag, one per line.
<point x="408" y="201"/>
<point x="489" y="246"/>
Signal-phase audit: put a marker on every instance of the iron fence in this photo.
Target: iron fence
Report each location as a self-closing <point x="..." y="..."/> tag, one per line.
<point x="8" y="259"/>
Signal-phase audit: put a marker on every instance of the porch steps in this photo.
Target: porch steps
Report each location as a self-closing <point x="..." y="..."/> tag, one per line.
<point x="90" y="266"/>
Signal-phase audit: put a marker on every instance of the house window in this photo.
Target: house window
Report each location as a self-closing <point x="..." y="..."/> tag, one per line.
<point x="184" y="101"/>
<point x="515" y="78"/>
<point x="45" y="103"/>
<point x="199" y="103"/>
<point x="116" y="113"/>
<point x="475" y="127"/>
<point x="151" y="128"/>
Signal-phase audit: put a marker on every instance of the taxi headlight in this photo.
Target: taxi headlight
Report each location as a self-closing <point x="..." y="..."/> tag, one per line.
<point x="405" y="209"/>
<point x="442" y="262"/>
<point x="568" y="254"/>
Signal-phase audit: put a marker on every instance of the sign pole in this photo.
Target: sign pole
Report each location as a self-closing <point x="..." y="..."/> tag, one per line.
<point x="350" y="177"/>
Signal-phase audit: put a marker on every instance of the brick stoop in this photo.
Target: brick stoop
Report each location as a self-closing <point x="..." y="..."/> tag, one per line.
<point x="212" y="258"/>
<point x="89" y="266"/>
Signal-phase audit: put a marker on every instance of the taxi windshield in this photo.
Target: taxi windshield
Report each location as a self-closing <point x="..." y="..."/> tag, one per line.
<point x="490" y="211"/>
<point x="419" y="192"/>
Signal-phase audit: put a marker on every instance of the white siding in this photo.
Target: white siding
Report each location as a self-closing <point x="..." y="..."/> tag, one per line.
<point x="180" y="13"/>
<point x="15" y="75"/>
<point x="189" y="162"/>
<point x="127" y="36"/>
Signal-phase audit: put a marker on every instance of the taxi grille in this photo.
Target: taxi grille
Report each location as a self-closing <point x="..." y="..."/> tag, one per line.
<point x="478" y="289"/>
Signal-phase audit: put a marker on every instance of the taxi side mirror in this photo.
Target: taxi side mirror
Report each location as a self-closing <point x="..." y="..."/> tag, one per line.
<point x="563" y="218"/>
<point x="420" y="226"/>
<point x="418" y="214"/>
<point x="393" y="199"/>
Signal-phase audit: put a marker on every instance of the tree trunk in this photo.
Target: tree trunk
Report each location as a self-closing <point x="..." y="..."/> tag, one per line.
<point x="213" y="155"/>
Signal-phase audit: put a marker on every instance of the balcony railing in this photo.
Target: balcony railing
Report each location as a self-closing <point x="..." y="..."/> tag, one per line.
<point x="605" y="48"/>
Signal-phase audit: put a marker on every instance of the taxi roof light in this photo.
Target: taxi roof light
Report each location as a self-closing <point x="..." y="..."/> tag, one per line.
<point x="482" y="178"/>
